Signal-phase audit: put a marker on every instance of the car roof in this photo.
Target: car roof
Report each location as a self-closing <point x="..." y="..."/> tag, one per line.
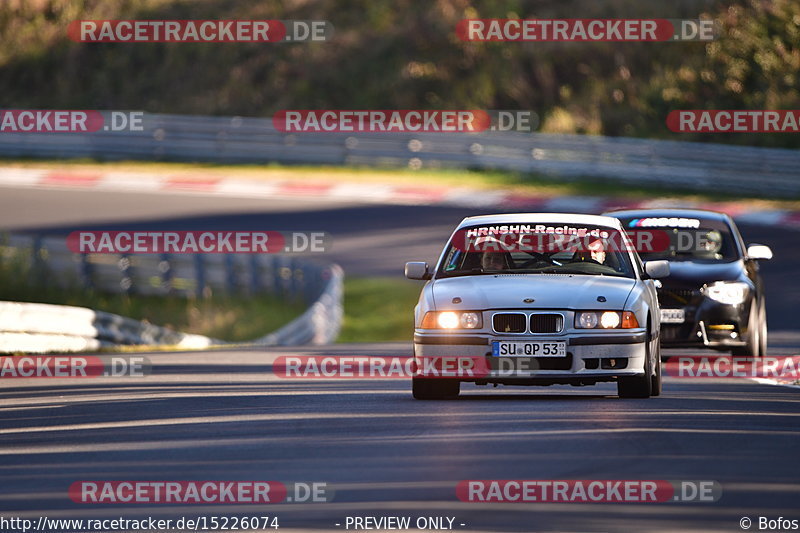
<point x="666" y="212"/>
<point x="549" y="218"/>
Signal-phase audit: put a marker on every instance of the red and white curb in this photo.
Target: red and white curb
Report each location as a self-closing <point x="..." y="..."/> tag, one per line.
<point x="368" y="192"/>
<point x="781" y="383"/>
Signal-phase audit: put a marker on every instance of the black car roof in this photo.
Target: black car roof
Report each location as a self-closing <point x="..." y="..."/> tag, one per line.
<point x="702" y="214"/>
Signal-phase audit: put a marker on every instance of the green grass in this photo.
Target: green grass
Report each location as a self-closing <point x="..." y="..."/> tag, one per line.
<point x="379" y="309"/>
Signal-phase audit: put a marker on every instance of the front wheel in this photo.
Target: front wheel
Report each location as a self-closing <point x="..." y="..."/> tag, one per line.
<point x="434" y="388"/>
<point x="639" y="386"/>
<point x="762" y="324"/>
<point x="756" y="327"/>
<point x="655" y="386"/>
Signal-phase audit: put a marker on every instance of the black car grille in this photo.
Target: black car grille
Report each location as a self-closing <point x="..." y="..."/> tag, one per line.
<point x="546" y="323"/>
<point x="509" y="323"/>
<point x="516" y="323"/>
<point x="669" y="298"/>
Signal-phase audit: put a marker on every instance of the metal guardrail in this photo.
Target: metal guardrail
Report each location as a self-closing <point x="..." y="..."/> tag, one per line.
<point x="33" y="327"/>
<point x="700" y="166"/>
<point x="50" y="262"/>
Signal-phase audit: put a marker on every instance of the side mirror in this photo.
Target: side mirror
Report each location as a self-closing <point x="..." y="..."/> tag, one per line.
<point x="418" y="270"/>
<point x="759" y="251"/>
<point x="656" y="269"/>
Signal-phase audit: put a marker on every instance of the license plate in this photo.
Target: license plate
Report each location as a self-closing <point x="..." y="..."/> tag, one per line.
<point x="673" y="316"/>
<point x="529" y="349"/>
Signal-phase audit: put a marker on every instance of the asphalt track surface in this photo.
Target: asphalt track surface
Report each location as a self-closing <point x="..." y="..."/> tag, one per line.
<point x="225" y="415"/>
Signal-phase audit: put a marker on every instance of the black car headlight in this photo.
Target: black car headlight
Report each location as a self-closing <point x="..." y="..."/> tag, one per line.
<point x="727" y="292"/>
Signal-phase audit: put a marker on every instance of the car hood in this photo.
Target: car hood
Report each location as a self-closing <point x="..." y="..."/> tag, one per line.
<point x="682" y="273"/>
<point x="553" y="291"/>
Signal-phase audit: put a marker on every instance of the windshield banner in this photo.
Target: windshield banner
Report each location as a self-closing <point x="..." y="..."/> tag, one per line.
<point x="543" y="238"/>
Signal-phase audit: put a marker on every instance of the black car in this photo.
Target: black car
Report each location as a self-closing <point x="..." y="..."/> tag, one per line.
<point x="714" y="295"/>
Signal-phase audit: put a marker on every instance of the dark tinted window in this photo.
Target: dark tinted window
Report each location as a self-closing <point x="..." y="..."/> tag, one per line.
<point x="690" y="239"/>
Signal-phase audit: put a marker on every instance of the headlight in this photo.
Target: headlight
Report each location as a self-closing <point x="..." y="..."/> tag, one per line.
<point x="452" y="320"/>
<point x="448" y="320"/>
<point x="606" y="320"/>
<point x="470" y="320"/>
<point x="586" y="320"/>
<point x="731" y="293"/>
<point x="610" y="319"/>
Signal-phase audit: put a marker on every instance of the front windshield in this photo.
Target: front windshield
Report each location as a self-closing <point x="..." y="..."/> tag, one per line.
<point x="703" y="241"/>
<point x="537" y="249"/>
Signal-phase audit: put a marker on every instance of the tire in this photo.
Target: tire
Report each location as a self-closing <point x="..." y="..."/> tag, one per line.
<point x="638" y="386"/>
<point x="655" y="385"/>
<point x="752" y="345"/>
<point x="434" y="388"/>
<point x="762" y="324"/>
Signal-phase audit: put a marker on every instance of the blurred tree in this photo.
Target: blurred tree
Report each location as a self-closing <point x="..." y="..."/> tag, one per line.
<point x="405" y="54"/>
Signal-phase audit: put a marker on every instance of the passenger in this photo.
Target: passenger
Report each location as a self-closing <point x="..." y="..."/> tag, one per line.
<point x="598" y="251"/>
<point x="595" y="252"/>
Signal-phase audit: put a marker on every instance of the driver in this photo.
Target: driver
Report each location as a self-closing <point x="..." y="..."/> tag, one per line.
<point x="494" y="261"/>
<point x="711" y="242"/>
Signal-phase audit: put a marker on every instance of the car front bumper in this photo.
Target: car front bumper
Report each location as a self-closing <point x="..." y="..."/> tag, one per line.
<point x="710" y="324"/>
<point x="590" y="357"/>
<point x="707" y="322"/>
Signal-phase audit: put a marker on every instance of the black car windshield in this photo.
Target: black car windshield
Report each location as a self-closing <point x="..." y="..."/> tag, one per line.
<point x="686" y="239"/>
<point x="549" y="248"/>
